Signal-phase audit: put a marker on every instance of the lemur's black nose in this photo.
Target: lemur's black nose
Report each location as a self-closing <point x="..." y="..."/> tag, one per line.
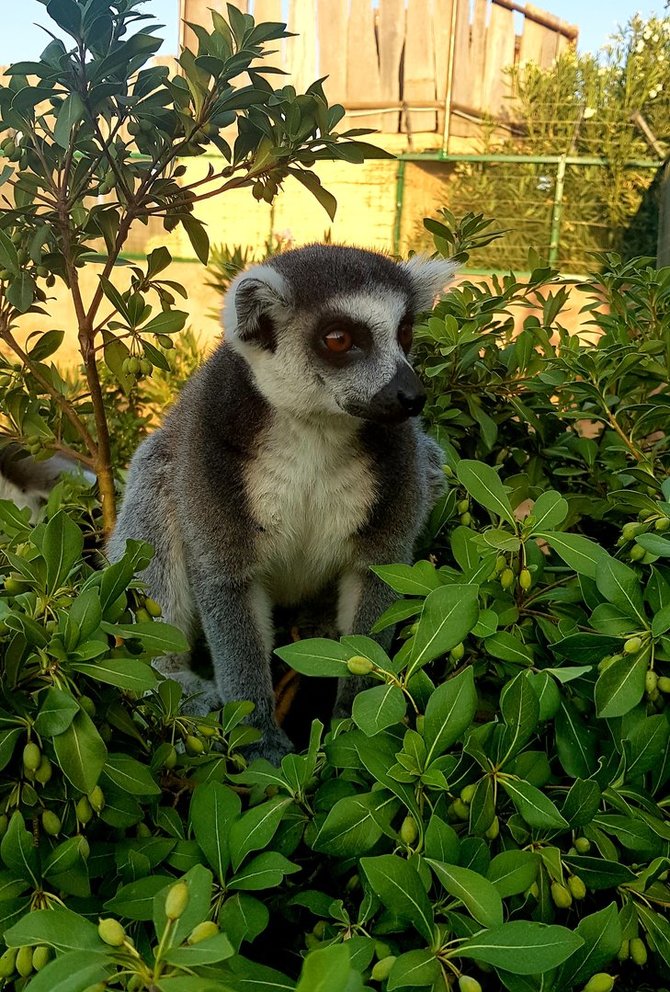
<point x="412" y="402"/>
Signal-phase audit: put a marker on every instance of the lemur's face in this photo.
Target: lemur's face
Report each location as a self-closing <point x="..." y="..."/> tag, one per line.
<point x="328" y="330"/>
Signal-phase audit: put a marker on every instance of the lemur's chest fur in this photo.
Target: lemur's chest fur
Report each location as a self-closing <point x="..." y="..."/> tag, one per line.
<point x="310" y="488"/>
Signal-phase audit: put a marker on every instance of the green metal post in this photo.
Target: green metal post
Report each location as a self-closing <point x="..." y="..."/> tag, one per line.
<point x="399" y="199"/>
<point x="557" y="212"/>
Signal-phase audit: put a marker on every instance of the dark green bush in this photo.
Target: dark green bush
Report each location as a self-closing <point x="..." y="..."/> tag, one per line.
<point x="495" y="813"/>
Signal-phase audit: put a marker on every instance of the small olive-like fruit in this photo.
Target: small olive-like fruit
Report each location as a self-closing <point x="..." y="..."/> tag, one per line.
<point x="51" y="823"/>
<point x="382" y="969"/>
<point x="525" y="579"/>
<point x="203" y="931"/>
<point x="8" y="962"/>
<point x="409" y="830"/>
<point x="577" y="887"/>
<point x="24" y="961"/>
<point x="561" y="896"/>
<point x="457" y="651"/>
<point x="96" y="798"/>
<point x="176" y="900"/>
<point x="467" y="792"/>
<point x="111" y="932"/>
<point x="493" y="830"/>
<point x="583" y="845"/>
<point x="358" y="665"/>
<point x="507" y="578"/>
<point x="83" y="810"/>
<point x="638" y="951"/>
<point x="194" y="745"/>
<point x="153" y="608"/>
<point x="601" y="982"/>
<point x="32" y="757"/>
<point x="632" y="645"/>
<point x="41" y="956"/>
<point x="468" y="984"/>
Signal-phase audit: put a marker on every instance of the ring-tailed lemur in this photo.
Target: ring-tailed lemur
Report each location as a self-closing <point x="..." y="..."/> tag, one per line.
<point x="27" y="482"/>
<point x="291" y="460"/>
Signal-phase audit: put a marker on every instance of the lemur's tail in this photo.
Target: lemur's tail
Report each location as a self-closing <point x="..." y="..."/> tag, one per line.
<point x="28" y="482"/>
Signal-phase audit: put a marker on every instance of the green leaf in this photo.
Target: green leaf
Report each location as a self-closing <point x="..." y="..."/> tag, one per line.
<point x="401" y="891"/>
<point x="658" y="929"/>
<point x="213" y="809"/>
<point x="441" y="841"/>
<point x="654" y="544"/>
<point x="479" y="896"/>
<point x="265" y="871"/>
<point x="513" y="872"/>
<point x="62" y="544"/>
<point x="166" y="322"/>
<point x="576" y="551"/>
<point x="130" y="775"/>
<point x="156" y="637"/>
<point x="197" y="235"/>
<point x="410" y="580"/>
<point x="46" y="345"/>
<point x="601" y="933"/>
<point x="126" y="673"/>
<point x="582" y="802"/>
<point x="70" y="113"/>
<point x="522" y="948"/>
<point x="243" y="917"/>
<point x="620" y="586"/>
<point x="199" y="882"/>
<point x="81" y="752"/>
<point x="73" y="972"/>
<point x="21" y="291"/>
<point x="311" y="181"/>
<point x="414" y="968"/>
<point x="135" y="901"/>
<point x="550" y="510"/>
<point x="18" y="851"/>
<point x="376" y="709"/>
<point x="520" y="710"/>
<point x="59" y="928"/>
<point x="83" y="618"/>
<point x="355" y="824"/>
<point x="255" y="829"/>
<point x="449" y="614"/>
<point x="536" y="809"/>
<point x="210" y="951"/>
<point x="507" y="647"/>
<point x="8" y="739"/>
<point x="316" y="656"/>
<point x="621" y="686"/>
<point x="450" y="711"/>
<point x="483" y="483"/>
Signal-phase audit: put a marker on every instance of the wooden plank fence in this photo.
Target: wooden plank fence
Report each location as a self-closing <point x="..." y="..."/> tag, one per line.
<point x="394" y="64"/>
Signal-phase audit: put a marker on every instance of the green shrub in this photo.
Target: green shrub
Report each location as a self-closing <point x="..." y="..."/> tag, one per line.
<point x="495" y="813"/>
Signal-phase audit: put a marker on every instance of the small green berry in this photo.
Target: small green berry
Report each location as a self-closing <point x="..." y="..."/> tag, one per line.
<point x="203" y="931"/>
<point x="561" y="896"/>
<point x="583" y="845"/>
<point x="358" y="665"/>
<point x="409" y="830"/>
<point x="632" y="645"/>
<point x="600" y="982"/>
<point x="176" y="900"/>
<point x="577" y="887"/>
<point x="24" y="961"/>
<point x="638" y="951"/>
<point x="525" y="579"/>
<point x="382" y="969"/>
<point x="111" y="932"/>
<point x="51" y="823"/>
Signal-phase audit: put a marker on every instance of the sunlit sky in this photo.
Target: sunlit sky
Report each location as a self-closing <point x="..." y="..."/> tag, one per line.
<point x="596" y="19"/>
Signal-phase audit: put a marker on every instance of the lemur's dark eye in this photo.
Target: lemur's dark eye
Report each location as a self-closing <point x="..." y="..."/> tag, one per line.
<point x="405" y="336"/>
<point x="338" y="340"/>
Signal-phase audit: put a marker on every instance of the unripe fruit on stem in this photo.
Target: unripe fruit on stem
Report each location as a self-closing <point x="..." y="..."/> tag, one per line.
<point x="319" y="929"/>
<point x="577" y="887"/>
<point x="662" y="524"/>
<point x="44" y="772"/>
<point x="83" y="847"/>
<point x="153" y="608"/>
<point x="171" y="758"/>
<point x="468" y="984"/>
<point x="638" y="951"/>
<point x="651" y="682"/>
<point x="637" y="552"/>
<point x="460" y="810"/>
<point x="463" y="506"/>
<point x="493" y="830"/>
<point x="206" y="730"/>
<point x="143" y="830"/>
<point x="624" y="950"/>
<point x="421" y="721"/>
<point x="87" y="705"/>
<point x="176" y="901"/>
<point x="466" y="519"/>
<point x="32" y="758"/>
<point x="8" y="963"/>
<point x="583" y="845"/>
<point x="203" y="931"/>
<point x="96" y="798"/>
<point x="630" y="530"/>
<point x="664" y="683"/>
<point x="382" y="969"/>
<point x="501" y="563"/>
<point x="24" y="961"/>
<point x="457" y="652"/>
<point x="358" y="665"/>
<point x="111" y="932"/>
<point x="601" y="982"/>
<point x="83" y="810"/>
<point x="409" y="830"/>
<point x="561" y="896"/>
<point x="525" y="579"/>
<point x="142" y="615"/>
<point x="467" y="792"/>
<point x="51" y="823"/>
<point x="632" y="645"/>
<point x="41" y="957"/>
<point x="194" y="745"/>
<point x="507" y="578"/>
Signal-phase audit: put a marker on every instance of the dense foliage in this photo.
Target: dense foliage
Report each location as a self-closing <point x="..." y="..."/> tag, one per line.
<point x="96" y="140"/>
<point x="613" y="106"/>
<point x="495" y="813"/>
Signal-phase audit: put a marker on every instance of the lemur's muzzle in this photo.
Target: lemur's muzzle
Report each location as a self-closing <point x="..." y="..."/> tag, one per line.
<point x="402" y="397"/>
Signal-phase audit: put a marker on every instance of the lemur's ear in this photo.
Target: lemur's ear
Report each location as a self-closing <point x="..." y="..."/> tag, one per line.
<point x="251" y="303"/>
<point x="430" y="277"/>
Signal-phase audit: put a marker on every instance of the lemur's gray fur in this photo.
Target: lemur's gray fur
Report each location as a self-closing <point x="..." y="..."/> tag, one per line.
<point x="285" y="467"/>
<point x="28" y="482"/>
